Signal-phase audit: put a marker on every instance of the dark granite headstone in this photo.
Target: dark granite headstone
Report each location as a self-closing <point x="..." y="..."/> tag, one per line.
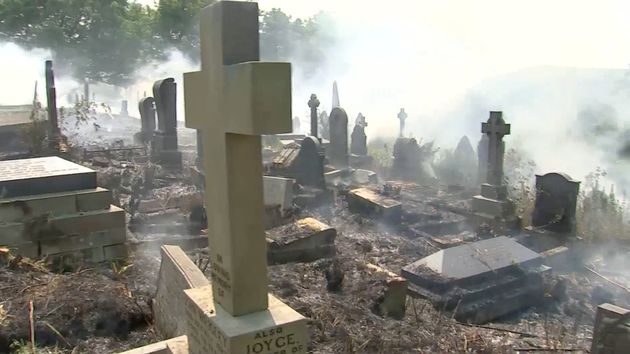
<point x="556" y="202"/>
<point x="43" y="175"/>
<point x="339" y="138"/>
<point x="310" y="164"/>
<point x="146" y="106"/>
<point x="358" y="142"/>
<point x="165" y="140"/>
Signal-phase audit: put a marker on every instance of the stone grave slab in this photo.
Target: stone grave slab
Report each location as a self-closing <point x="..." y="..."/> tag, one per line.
<point x="213" y="330"/>
<point x="278" y="191"/>
<point x="302" y="241"/>
<point x="481" y="281"/>
<point x="177" y="273"/>
<point x="370" y="203"/>
<point x="360" y="176"/>
<point x="43" y="175"/>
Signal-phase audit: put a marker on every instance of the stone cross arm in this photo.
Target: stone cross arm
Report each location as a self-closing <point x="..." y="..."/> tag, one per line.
<point x="495" y="125"/>
<point x="252" y="98"/>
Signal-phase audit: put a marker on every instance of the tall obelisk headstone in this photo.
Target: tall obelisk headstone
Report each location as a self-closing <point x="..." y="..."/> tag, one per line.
<point x="234" y="100"/>
<point x="335" y="98"/>
<point x="493" y="199"/>
<point x="313" y="103"/>
<point x="402" y="116"/>
<point x="51" y="98"/>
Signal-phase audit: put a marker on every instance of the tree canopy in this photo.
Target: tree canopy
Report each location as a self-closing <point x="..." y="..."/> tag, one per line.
<point x="107" y="40"/>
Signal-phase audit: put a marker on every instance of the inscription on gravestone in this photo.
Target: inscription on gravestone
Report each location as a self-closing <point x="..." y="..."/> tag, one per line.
<point x="43" y="175"/>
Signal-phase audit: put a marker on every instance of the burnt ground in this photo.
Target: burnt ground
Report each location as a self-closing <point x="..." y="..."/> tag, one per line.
<point x="105" y="309"/>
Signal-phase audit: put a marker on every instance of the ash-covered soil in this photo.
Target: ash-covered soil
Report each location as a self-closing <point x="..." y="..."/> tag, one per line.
<point x="105" y="309"/>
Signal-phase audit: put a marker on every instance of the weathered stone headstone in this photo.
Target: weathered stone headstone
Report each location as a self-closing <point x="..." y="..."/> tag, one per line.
<point x="324" y="125"/>
<point x="406" y="165"/>
<point x="124" y="108"/>
<point x="339" y="138"/>
<point x="358" y="143"/>
<point x="278" y="191"/>
<point x="610" y="332"/>
<point x="313" y="103"/>
<point x="234" y="100"/>
<point x="335" y="97"/>
<point x="493" y="199"/>
<point x="51" y="98"/>
<point x="480" y="281"/>
<point x="296" y="124"/>
<point x="482" y="157"/>
<point x="556" y="202"/>
<point x="402" y="116"/>
<point x="465" y="162"/>
<point x="165" y="138"/>
<point x="146" y="106"/>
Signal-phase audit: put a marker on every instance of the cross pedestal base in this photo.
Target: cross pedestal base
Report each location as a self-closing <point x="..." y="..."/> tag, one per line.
<point x="493" y="201"/>
<point x="212" y="330"/>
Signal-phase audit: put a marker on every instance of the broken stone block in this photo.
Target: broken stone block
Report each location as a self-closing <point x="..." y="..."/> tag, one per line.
<point x="51" y="246"/>
<point x="177" y="273"/>
<point x="177" y="345"/>
<point x="364" y="177"/>
<point x="611" y="333"/>
<point x="480" y="281"/>
<point x="392" y="294"/>
<point x="213" y="330"/>
<point x="302" y="241"/>
<point x="371" y="204"/>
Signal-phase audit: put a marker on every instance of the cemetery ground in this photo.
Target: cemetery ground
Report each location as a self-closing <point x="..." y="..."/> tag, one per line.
<point x="106" y="309"/>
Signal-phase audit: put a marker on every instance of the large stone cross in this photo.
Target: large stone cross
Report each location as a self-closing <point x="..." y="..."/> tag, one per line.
<point x="233" y="100"/>
<point x="496" y="129"/>
<point x="313" y="103"/>
<point x="402" y="116"/>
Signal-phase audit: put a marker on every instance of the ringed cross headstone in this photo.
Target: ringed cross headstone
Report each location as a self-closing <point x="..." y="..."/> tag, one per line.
<point x="313" y="103"/>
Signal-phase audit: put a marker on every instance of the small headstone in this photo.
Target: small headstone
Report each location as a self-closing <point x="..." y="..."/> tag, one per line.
<point x="610" y="332"/>
<point x="313" y="103"/>
<point x="303" y="162"/>
<point x="278" y="191"/>
<point x="556" y="202"/>
<point x="481" y="281"/>
<point x="339" y="138"/>
<point x="406" y="165"/>
<point x="124" y="108"/>
<point x="358" y="144"/>
<point x="465" y="162"/>
<point x="146" y="107"/>
<point x="296" y="124"/>
<point x="165" y="144"/>
<point x="402" y="116"/>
